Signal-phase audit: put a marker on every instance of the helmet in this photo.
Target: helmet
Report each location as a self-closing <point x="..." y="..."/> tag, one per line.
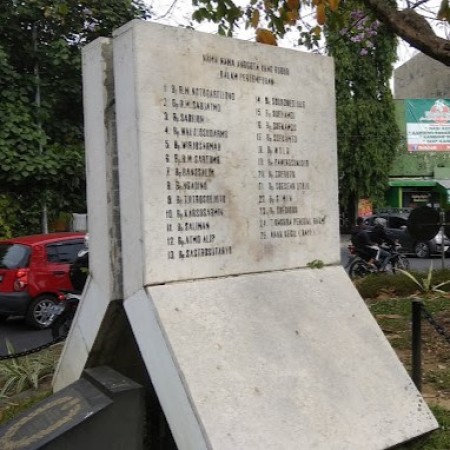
<point x="380" y="222"/>
<point x="84" y="250"/>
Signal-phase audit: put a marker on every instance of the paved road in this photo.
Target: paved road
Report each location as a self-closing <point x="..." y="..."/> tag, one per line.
<point x="23" y="338"/>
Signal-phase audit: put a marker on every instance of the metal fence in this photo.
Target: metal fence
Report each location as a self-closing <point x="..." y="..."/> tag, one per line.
<point x="419" y="312"/>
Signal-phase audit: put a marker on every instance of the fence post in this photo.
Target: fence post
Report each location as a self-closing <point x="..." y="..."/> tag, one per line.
<point x="441" y="229"/>
<point x="417" y="343"/>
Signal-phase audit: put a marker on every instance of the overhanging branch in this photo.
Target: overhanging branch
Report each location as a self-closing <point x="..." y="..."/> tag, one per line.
<point x="413" y="28"/>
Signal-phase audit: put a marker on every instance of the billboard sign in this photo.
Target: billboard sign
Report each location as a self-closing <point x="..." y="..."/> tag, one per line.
<point x="428" y="125"/>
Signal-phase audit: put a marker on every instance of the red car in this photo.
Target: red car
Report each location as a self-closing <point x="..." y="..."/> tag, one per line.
<point x="33" y="272"/>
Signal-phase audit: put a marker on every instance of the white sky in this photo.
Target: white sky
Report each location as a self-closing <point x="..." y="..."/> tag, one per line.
<point x="179" y="12"/>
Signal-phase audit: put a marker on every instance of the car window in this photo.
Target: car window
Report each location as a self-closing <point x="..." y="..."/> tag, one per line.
<point x="64" y="252"/>
<point x="13" y="256"/>
<point x="397" y="222"/>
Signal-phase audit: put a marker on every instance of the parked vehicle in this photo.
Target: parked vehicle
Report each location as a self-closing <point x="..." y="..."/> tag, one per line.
<point x="397" y="230"/>
<point x="34" y="271"/>
<point x="358" y="266"/>
<point x="62" y="314"/>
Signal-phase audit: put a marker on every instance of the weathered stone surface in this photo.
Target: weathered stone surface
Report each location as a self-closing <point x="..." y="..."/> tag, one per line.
<point x="290" y="360"/>
<point x="227" y="154"/>
<point x="105" y="282"/>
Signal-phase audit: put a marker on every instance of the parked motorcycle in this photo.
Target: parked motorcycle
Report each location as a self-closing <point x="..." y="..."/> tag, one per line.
<point x="358" y="266"/>
<point x="64" y="311"/>
<point x="63" y="314"/>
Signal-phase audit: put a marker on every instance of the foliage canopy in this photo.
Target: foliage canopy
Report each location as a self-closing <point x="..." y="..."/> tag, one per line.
<point x="41" y="132"/>
<point x="368" y="134"/>
<point x="274" y="18"/>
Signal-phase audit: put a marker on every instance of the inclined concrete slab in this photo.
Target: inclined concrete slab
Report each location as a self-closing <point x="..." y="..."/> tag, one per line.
<point x="288" y="360"/>
<point x="82" y="335"/>
<point x="105" y="283"/>
<point x="227" y="154"/>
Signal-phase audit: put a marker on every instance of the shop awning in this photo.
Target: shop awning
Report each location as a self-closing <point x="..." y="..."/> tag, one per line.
<point x="444" y="183"/>
<point x="409" y="182"/>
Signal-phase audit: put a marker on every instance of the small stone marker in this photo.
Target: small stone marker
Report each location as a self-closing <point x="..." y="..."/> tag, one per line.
<point x="103" y="410"/>
<point x="252" y="333"/>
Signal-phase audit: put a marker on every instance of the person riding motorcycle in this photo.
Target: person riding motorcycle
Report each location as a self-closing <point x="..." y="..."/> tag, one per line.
<point x="360" y="238"/>
<point x="379" y="237"/>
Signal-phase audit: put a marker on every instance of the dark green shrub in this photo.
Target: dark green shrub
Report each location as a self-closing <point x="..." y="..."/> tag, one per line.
<point x="398" y="285"/>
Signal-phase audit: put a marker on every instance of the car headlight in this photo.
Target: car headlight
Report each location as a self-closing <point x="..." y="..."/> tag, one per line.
<point x="440" y="237"/>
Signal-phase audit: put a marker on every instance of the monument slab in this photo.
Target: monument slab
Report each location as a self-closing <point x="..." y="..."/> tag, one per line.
<point x="268" y="365"/>
<point x="229" y="153"/>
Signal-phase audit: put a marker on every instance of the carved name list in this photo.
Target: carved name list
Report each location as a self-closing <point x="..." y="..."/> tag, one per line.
<point x="197" y="142"/>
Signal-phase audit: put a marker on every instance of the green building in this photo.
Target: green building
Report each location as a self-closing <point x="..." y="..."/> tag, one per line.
<point x="420" y="177"/>
<point x="420" y="174"/>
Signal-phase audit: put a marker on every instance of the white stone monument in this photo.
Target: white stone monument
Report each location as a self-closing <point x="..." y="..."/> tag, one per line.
<point x="250" y="330"/>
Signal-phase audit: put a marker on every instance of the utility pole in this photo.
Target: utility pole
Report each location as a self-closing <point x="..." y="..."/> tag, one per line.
<point x="37" y="100"/>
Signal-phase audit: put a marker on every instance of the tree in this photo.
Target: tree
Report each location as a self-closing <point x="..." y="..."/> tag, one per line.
<point x="41" y="132"/>
<point x="364" y="50"/>
<point x="368" y="134"/>
<point x="272" y="18"/>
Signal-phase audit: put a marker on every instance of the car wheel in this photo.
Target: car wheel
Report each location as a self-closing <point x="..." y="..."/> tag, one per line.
<point x="422" y="250"/>
<point x="38" y="314"/>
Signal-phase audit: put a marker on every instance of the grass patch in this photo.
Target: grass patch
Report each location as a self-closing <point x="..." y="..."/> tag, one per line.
<point x="399" y="285"/>
<point x="11" y="408"/>
<point x="440" y="378"/>
<point x="393" y="317"/>
<point x="26" y="381"/>
<point x="28" y="372"/>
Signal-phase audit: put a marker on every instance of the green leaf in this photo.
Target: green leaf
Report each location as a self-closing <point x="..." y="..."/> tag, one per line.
<point x="63" y="9"/>
<point x="412" y="277"/>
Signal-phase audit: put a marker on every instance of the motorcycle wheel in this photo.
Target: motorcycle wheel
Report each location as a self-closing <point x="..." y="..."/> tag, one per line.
<point x="358" y="269"/>
<point x="401" y="263"/>
<point x="63" y="321"/>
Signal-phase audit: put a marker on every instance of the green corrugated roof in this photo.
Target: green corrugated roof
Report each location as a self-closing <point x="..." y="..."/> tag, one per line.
<point x="410" y="182"/>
